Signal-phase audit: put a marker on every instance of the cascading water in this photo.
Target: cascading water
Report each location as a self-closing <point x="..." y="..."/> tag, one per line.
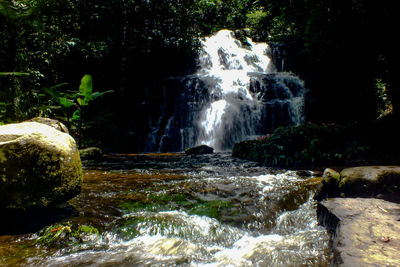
<point x="177" y="210"/>
<point x="236" y="94"/>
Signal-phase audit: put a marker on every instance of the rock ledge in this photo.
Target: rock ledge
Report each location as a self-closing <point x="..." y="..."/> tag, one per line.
<point x="365" y="231"/>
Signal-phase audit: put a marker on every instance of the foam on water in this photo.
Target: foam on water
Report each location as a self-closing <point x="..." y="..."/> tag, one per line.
<point x="235" y="94"/>
<point x="226" y="67"/>
<point x="270" y="221"/>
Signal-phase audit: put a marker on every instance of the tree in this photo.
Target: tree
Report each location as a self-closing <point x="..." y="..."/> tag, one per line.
<point x="334" y="46"/>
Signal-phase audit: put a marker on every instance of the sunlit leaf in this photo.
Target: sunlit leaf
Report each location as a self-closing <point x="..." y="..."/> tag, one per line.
<point x="85" y="90"/>
<point x="66" y="102"/>
<point x="76" y="115"/>
<point x="81" y="102"/>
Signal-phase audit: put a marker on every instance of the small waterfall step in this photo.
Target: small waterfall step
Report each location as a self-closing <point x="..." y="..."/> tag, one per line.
<point x="235" y="94"/>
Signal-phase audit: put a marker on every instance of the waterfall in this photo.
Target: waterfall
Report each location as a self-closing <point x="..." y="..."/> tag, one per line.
<point x="236" y="94"/>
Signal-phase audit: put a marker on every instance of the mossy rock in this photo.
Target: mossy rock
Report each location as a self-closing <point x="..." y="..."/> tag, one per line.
<point x="329" y="185"/>
<point x="365" y="181"/>
<point x="52" y="123"/>
<point x="39" y="166"/>
<point x="370" y="180"/>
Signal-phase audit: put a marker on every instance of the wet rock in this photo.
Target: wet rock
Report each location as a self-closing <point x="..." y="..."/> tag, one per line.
<point x="90" y="153"/>
<point x="329" y="185"/>
<point x="367" y="181"/>
<point x="365" y="231"/>
<point x="203" y="149"/>
<point x="52" y="123"/>
<point x="306" y="173"/>
<point x="39" y="165"/>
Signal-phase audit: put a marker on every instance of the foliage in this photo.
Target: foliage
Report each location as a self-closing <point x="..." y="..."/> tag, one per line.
<point x="64" y="234"/>
<point x="307" y="145"/>
<point x="74" y="104"/>
<point x="313" y="145"/>
<point x="331" y="46"/>
<point x="11" y="11"/>
<point x="2" y="112"/>
<point x="340" y="48"/>
<point x="385" y="106"/>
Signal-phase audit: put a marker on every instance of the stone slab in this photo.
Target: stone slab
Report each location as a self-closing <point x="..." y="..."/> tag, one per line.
<point x="365" y="231"/>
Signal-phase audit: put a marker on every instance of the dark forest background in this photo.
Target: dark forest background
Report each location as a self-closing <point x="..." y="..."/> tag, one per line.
<point x="346" y="51"/>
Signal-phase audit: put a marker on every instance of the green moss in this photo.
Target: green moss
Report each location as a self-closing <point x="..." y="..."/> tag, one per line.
<point x="130" y="228"/>
<point x="3" y="157"/>
<point x="64" y="234"/>
<point x="210" y="209"/>
<point x="41" y="175"/>
<point x="179" y="201"/>
<point x="158" y="202"/>
<point x="331" y="176"/>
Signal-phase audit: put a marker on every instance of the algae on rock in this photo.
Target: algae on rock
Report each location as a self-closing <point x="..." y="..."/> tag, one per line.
<point x="39" y="165"/>
<point x="364" y="181"/>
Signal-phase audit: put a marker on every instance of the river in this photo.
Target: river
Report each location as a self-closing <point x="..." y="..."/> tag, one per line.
<point x="180" y="210"/>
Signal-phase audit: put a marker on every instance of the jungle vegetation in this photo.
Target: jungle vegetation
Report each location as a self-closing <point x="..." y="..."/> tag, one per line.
<point x="346" y="51"/>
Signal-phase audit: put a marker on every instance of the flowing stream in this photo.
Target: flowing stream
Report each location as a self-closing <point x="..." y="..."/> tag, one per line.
<point x="179" y="210"/>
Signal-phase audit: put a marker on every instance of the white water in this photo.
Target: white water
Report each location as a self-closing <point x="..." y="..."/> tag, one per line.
<point x="175" y="238"/>
<point x="226" y="67"/>
<point x="235" y="95"/>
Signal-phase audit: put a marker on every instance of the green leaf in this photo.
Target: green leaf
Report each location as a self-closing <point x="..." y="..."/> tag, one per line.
<point x="14" y="74"/>
<point x="98" y="94"/>
<point x="85" y="90"/>
<point x="81" y="102"/>
<point x="77" y="115"/>
<point x="8" y="10"/>
<point x="52" y="92"/>
<point x="65" y="102"/>
<point x="58" y="85"/>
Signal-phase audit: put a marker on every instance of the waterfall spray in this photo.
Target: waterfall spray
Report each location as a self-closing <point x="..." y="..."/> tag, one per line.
<point x="236" y="94"/>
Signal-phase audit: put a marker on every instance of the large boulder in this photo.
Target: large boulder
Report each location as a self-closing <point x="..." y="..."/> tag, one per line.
<point x="39" y="165"/>
<point x="50" y="122"/>
<point x="366" y="181"/>
<point x="364" y="231"/>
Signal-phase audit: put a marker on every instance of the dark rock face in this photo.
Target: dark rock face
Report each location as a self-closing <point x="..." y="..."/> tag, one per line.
<point x="203" y="149"/>
<point x="366" y="181"/>
<point x="186" y="98"/>
<point x="365" y="231"/>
